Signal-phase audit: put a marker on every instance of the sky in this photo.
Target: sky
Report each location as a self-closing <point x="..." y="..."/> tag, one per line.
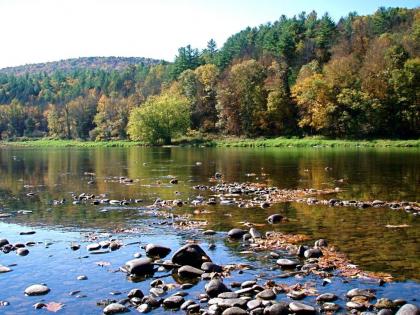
<point x="47" y="30"/>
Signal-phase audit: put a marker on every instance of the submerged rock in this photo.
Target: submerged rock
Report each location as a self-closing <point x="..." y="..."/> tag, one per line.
<point x="115" y="308"/>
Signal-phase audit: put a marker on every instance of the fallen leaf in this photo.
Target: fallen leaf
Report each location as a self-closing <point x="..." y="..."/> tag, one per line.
<point x="54" y="306"/>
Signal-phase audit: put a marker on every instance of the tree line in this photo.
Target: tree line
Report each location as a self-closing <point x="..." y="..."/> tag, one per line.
<point x="305" y="75"/>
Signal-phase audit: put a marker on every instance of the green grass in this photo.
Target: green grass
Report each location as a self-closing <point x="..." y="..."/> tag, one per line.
<point x="314" y="142"/>
<point x="215" y="141"/>
<point x="70" y="143"/>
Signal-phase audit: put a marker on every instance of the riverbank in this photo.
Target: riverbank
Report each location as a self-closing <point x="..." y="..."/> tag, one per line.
<point x="226" y="142"/>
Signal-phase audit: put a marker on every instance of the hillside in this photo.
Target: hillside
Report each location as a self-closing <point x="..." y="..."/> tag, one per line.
<point x="68" y="65"/>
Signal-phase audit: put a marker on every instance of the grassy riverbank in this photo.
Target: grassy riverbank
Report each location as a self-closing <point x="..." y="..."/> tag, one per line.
<point x="224" y="142"/>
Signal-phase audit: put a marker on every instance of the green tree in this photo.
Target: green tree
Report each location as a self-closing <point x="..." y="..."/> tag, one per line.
<point x="160" y="118"/>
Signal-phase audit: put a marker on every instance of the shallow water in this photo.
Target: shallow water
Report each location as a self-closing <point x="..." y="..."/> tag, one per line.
<point x="54" y="173"/>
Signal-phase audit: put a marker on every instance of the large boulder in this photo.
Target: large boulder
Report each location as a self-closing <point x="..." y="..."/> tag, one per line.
<point x="190" y="254"/>
<point x="408" y="309"/>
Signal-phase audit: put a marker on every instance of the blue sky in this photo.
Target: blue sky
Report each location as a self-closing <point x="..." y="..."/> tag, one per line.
<point x="47" y="30"/>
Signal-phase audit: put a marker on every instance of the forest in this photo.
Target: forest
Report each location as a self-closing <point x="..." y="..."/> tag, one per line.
<point x="357" y="78"/>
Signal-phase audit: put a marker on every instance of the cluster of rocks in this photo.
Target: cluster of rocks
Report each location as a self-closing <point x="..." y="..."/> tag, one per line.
<point x="21" y="249"/>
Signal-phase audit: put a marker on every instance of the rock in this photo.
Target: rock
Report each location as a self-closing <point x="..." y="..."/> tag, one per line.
<point x="173" y="302"/>
<point x="296" y="295"/>
<point x="74" y="246"/>
<point x="22" y="251"/>
<point x="281" y="308"/>
<point x="209" y="232"/>
<point x="355" y="305"/>
<point x="248" y="284"/>
<point x="190" y="254"/>
<point x="360" y="292"/>
<point x="326" y="297"/>
<point x="275" y="218"/>
<point x="187" y="303"/>
<point x="236" y="233"/>
<point x="321" y="243"/>
<point x="139" y="266"/>
<point x="267" y="294"/>
<point x="153" y="250"/>
<point x="27" y="233"/>
<point x="234" y="311"/>
<point x="399" y="302"/>
<point x="82" y="277"/>
<point x="211" y="267"/>
<point x="228" y="295"/>
<point x="37" y="289"/>
<point x="144" y="308"/>
<point x="227" y="303"/>
<point x="301" y="308"/>
<point x="253" y="304"/>
<point x="215" y="287"/>
<point x="287" y="263"/>
<point x="135" y="293"/>
<point x="4" y="269"/>
<point x="385" y="311"/>
<point x="384" y="303"/>
<point x="408" y="309"/>
<point x="257" y="311"/>
<point x="151" y="301"/>
<point x="254" y="233"/>
<point x="313" y="253"/>
<point x="157" y="291"/>
<point x="330" y="307"/>
<point x="3" y="242"/>
<point x="115" y="308"/>
<point x="94" y="246"/>
<point x="189" y="271"/>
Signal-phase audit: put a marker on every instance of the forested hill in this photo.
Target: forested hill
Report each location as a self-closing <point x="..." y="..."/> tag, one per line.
<point x="357" y="77"/>
<point x="83" y="63"/>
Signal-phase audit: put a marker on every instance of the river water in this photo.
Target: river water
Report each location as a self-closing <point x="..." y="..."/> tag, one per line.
<point x="55" y="173"/>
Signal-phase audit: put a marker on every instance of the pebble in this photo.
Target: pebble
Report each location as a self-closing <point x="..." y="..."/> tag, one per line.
<point x="301" y="308"/>
<point x="326" y="297"/>
<point x="144" y="308"/>
<point x="234" y="311"/>
<point x="408" y="309"/>
<point x="94" y="246"/>
<point x="267" y="294"/>
<point x="82" y="277"/>
<point x="173" y="302"/>
<point x="37" y="289"/>
<point x="4" y="269"/>
<point x="281" y="308"/>
<point x="215" y="287"/>
<point x="236" y="233"/>
<point x="287" y="263"/>
<point x="22" y="251"/>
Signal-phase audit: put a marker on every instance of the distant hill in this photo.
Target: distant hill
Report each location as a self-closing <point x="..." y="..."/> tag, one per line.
<point x="68" y="65"/>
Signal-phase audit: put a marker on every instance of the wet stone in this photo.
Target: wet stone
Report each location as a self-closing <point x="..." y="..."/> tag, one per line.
<point x="215" y="287"/>
<point x="3" y="242"/>
<point x="226" y="303"/>
<point x="228" y="295"/>
<point x="355" y="305"/>
<point x="287" y="263"/>
<point x="384" y="303"/>
<point x="296" y="295"/>
<point x="153" y="250"/>
<point x="115" y="308"/>
<point x="312" y="253"/>
<point x="248" y="284"/>
<point x="139" y="266"/>
<point x="359" y="292"/>
<point x="281" y="308"/>
<point x="275" y="218"/>
<point x="37" y="289"/>
<point x="408" y="309"/>
<point x="82" y="277"/>
<point x="385" y="311"/>
<point x="187" y="303"/>
<point x="330" y="307"/>
<point x="189" y="271"/>
<point x="173" y="302"/>
<point x="211" y="267"/>
<point x="94" y="246"/>
<point x="4" y="269"/>
<point x="326" y="297"/>
<point x="267" y="294"/>
<point x="135" y="293"/>
<point x="234" y="311"/>
<point x="301" y="308"/>
<point x="22" y="251"/>
<point x="157" y="292"/>
<point x="190" y="254"/>
<point x="236" y="233"/>
<point x="253" y="304"/>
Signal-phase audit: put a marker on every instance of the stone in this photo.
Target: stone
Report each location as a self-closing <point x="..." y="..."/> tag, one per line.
<point x="281" y="308"/>
<point x="215" y="287"/>
<point x="82" y="277"/>
<point x="190" y="254"/>
<point x="253" y="304"/>
<point x="226" y="303"/>
<point x="408" y="309"/>
<point x="267" y="294"/>
<point x="330" y="307"/>
<point x="139" y="266"/>
<point x="301" y="308"/>
<point x="321" y="243"/>
<point x="360" y="292"/>
<point x="157" y="291"/>
<point x="287" y="263"/>
<point x="236" y="233"/>
<point x="234" y="311"/>
<point x="296" y="295"/>
<point x="187" y="303"/>
<point x="326" y="297"/>
<point x="3" y="242"/>
<point x="209" y="232"/>
<point x="312" y="253"/>
<point x="228" y="295"/>
<point x="254" y="233"/>
<point x="355" y="305"/>
<point x="384" y="303"/>
<point x="385" y="311"/>
<point x="173" y="302"/>
<point x="115" y="308"/>
<point x="211" y="267"/>
<point x="153" y="250"/>
<point x="37" y="289"/>
<point x="94" y="246"/>
<point x="135" y="293"/>
<point x="189" y="271"/>
<point x="22" y="251"/>
<point x="248" y="284"/>
<point x="144" y="308"/>
<point x="4" y="269"/>
<point x="275" y="218"/>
